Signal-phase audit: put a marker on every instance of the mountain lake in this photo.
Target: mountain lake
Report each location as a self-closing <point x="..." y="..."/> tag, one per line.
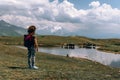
<point x="105" y="58"/>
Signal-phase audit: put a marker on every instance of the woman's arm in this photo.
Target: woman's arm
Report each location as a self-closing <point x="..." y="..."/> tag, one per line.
<point x="36" y="44"/>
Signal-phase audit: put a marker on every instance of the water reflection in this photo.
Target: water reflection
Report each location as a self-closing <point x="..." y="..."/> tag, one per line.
<point x="91" y="54"/>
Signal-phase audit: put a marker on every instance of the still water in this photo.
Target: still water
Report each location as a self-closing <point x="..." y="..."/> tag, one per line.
<point x="110" y="59"/>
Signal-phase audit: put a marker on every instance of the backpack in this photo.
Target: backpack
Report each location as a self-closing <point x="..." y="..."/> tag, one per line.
<point x="28" y="40"/>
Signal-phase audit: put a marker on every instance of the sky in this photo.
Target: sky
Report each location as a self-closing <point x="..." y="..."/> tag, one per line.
<point x="83" y="4"/>
<point x="90" y="18"/>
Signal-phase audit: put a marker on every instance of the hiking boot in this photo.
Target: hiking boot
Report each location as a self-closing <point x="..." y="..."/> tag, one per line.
<point x="34" y="67"/>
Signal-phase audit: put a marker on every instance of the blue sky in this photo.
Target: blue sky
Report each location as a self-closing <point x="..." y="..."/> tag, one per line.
<point x="90" y="18"/>
<point x="83" y="4"/>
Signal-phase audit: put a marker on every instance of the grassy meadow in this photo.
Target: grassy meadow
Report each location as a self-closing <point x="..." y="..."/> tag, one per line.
<point x="13" y="60"/>
<point x="13" y="66"/>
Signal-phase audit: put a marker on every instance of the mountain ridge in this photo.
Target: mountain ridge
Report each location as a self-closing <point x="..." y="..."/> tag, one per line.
<point x="7" y="29"/>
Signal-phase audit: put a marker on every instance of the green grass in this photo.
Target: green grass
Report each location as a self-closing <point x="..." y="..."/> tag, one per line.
<point x="13" y="66"/>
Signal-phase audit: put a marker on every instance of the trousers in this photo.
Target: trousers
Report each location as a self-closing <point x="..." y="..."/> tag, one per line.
<point x="31" y="56"/>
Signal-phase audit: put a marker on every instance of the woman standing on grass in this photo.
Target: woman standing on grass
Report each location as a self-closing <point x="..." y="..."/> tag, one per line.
<point x="30" y="41"/>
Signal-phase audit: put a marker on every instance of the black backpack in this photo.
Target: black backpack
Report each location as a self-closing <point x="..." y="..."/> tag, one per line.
<point x="28" y="40"/>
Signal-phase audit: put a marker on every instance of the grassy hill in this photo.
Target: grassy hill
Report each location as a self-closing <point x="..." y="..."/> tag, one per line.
<point x="13" y="66"/>
<point x="58" y="40"/>
<point x="109" y="45"/>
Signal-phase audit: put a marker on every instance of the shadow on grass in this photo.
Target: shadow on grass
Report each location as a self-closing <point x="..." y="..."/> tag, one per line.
<point x="14" y="67"/>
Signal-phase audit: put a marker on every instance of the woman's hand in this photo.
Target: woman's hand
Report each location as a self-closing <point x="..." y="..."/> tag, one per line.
<point x="36" y="49"/>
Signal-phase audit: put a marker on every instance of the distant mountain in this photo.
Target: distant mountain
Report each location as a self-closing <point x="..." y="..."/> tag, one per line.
<point x="7" y="29"/>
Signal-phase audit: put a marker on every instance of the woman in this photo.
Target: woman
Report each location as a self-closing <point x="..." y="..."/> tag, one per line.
<point x="30" y="41"/>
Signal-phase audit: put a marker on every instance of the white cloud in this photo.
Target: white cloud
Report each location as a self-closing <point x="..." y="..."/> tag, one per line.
<point x="19" y="20"/>
<point x="100" y="18"/>
<point x="55" y="29"/>
<point x="94" y="4"/>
